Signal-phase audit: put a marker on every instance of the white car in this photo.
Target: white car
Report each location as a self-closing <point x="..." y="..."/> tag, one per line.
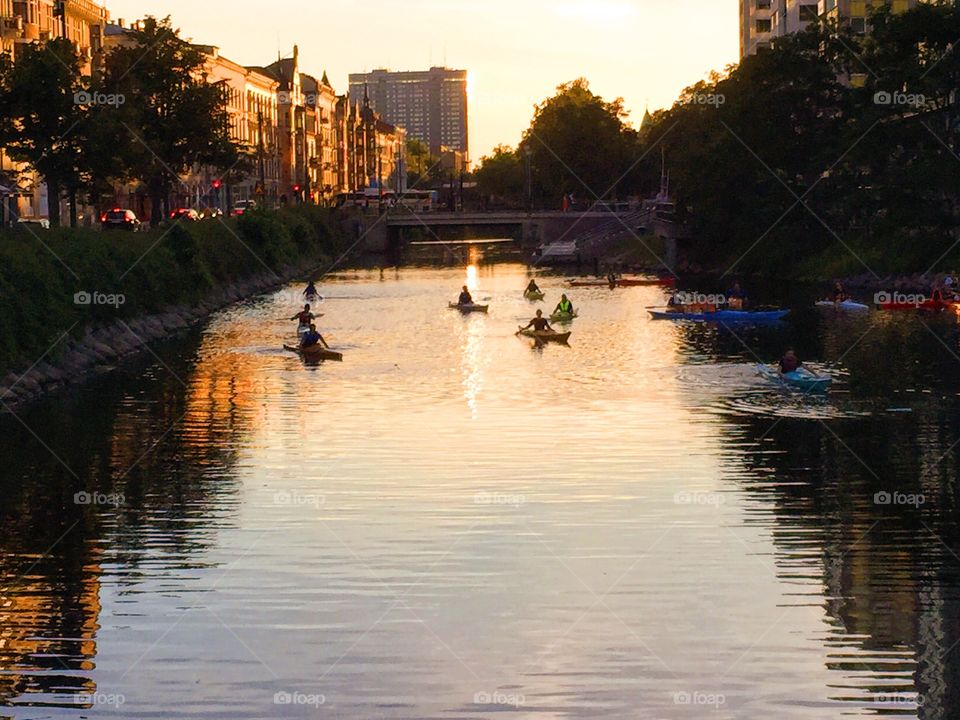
<point x="37" y="222"/>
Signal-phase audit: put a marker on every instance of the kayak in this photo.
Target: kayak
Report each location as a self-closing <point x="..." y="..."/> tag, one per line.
<point x="929" y="305"/>
<point x="848" y="305"/>
<point x="645" y="282"/>
<point x="723" y="315"/>
<point x="560" y="317"/>
<point x="533" y="296"/>
<point x="801" y="379"/>
<point x="621" y="282"/>
<point x="471" y="308"/>
<point x="316" y="352"/>
<point x="546" y="336"/>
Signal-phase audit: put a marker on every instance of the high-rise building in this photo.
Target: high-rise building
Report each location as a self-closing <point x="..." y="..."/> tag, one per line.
<point x="762" y="21"/>
<point x="431" y="105"/>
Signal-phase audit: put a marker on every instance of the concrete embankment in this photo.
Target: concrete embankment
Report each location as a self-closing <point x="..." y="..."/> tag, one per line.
<point x="103" y="346"/>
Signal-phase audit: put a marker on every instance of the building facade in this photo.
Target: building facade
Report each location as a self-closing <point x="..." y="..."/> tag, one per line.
<point x="762" y="21"/>
<point x="429" y="105"/>
<point x="83" y="22"/>
<point x="856" y="12"/>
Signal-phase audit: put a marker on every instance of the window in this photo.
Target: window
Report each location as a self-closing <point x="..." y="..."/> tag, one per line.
<point x="763" y="26"/>
<point x="808" y="13"/>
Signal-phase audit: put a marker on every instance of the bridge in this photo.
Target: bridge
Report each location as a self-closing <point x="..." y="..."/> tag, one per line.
<point x="529" y="229"/>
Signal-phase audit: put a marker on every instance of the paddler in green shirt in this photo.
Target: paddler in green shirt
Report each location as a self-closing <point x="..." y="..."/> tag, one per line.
<point x="564" y="306"/>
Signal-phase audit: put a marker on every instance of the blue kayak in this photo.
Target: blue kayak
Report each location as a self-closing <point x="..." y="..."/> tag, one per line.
<point x="726" y="316"/>
<point x="801" y="379"/>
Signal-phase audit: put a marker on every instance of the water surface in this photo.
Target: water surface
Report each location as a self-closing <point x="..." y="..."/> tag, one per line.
<point x="453" y="523"/>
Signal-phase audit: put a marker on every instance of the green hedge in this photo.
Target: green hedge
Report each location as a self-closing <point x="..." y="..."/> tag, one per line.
<point x="41" y="271"/>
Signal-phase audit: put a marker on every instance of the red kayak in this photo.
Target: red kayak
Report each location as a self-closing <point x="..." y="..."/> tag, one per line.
<point x="927" y="305"/>
<point x="624" y="282"/>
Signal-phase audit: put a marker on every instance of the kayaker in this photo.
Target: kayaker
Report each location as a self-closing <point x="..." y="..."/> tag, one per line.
<point x="839" y="293"/>
<point x="532" y="286"/>
<point x="789" y="362"/>
<point x="465" y="297"/>
<point x="311" y="338"/>
<point x="311" y="291"/>
<point x="539" y="323"/>
<point x="564" y="306"/>
<point x="304" y="317"/>
<point x="950" y="286"/>
<point x="736" y="297"/>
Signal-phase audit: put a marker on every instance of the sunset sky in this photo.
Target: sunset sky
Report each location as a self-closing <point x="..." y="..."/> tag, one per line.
<point x="517" y="51"/>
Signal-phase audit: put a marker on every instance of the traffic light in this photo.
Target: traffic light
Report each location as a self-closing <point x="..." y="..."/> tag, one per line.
<point x="296" y="188"/>
<point x="217" y="183"/>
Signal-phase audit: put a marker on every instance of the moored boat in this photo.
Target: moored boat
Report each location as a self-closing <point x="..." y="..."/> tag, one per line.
<point x="726" y="316"/>
<point x="927" y="305"/>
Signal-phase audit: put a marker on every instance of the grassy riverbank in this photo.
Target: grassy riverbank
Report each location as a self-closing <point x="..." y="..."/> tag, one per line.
<point x="65" y="280"/>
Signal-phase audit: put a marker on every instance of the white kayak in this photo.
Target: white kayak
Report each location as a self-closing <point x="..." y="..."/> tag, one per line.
<point x="846" y="305"/>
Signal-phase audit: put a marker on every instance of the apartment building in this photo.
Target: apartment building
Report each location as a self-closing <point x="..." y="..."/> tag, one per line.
<point x="761" y="21"/>
<point x="25" y="21"/>
<point x="431" y="105"/>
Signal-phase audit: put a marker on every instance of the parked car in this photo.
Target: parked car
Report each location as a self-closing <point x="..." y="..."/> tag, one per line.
<point x="120" y="219"/>
<point x="241" y="206"/>
<point x="188" y="214"/>
<point x="34" y="222"/>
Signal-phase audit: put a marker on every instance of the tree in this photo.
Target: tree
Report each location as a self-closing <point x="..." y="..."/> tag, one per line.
<point x="174" y="119"/>
<point x="579" y="143"/>
<point x="501" y="176"/>
<point x="422" y="165"/>
<point x="44" y="113"/>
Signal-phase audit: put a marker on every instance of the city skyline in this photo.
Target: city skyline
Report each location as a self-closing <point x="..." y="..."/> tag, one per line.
<point x="516" y="55"/>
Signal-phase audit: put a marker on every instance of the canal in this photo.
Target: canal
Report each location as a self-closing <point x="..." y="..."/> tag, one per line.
<point x="453" y="523"/>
